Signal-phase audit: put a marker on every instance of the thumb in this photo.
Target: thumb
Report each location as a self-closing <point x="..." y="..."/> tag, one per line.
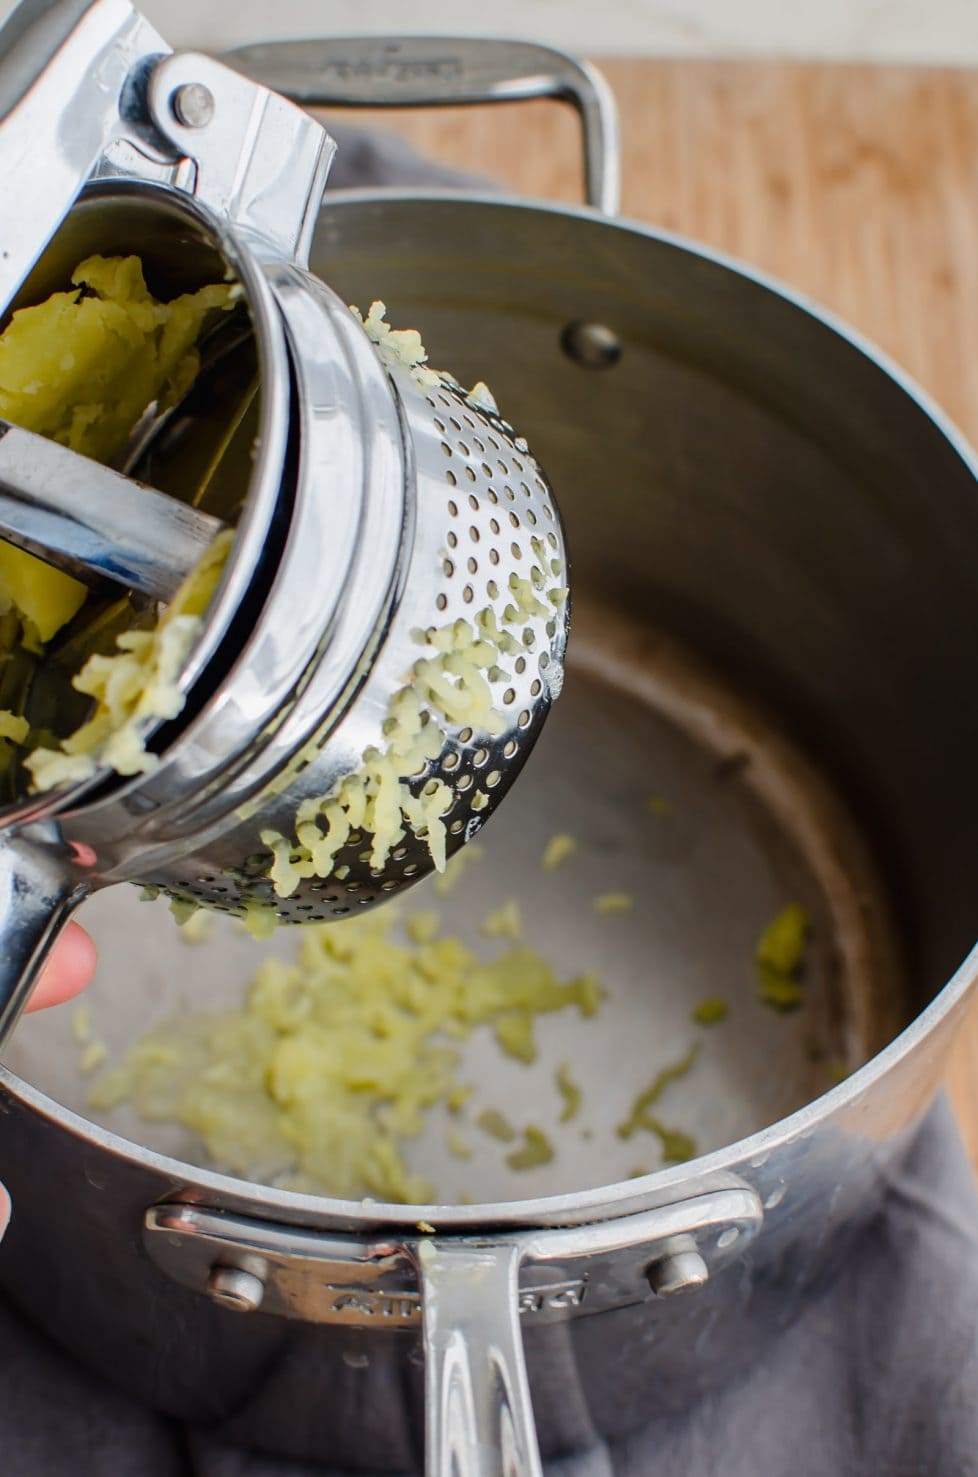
<point x="4" y="1211"/>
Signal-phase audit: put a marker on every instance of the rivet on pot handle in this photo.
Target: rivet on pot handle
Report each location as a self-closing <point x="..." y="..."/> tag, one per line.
<point x="436" y="71"/>
<point x="470" y="1293"/>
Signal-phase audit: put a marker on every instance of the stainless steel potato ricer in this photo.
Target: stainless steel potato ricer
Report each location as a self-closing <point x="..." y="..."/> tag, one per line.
<point x="397" y="559"/>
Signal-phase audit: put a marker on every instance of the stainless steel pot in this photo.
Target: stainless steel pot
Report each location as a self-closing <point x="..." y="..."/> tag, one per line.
<point x="743" y="474"/>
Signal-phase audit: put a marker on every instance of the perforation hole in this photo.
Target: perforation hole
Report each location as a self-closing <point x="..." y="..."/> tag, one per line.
<point x="468" y="594"/>
<point x="536" y="687"/>
<point x="480" y="757"/>
<point x="474" y="534"/>
<point x="452" y="539"/>
<point x="453" y="508"/>
<point x="464" y="735"/>
<point x="493" y="778"/>
<point x="446" y="448"/>
<point x="450" y="477"/>
<point x="509" y="697"/>
<point x="524" y="719"/>
<point x="509" y="748"/>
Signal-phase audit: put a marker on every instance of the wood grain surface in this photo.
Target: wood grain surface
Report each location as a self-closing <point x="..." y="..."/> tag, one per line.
<point x="858" y="185"/>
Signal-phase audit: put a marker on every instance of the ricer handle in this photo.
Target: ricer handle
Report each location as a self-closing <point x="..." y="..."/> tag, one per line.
<point x="64" y="68"/>
<point x="39" y="889"/>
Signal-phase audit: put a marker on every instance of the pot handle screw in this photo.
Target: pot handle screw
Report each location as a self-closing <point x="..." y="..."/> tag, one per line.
<point x="681" y="1270"/>
<point x="232" y="1287"/>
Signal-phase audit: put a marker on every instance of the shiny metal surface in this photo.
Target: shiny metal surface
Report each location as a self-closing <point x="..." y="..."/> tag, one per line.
<point x="315" y="626"/>
<point x="235" y="1288"/>
<point x="64" y="70"/>
<point x="379" y="557"/>
<point x="747" y="383"/>
<point x="432" y="71"/>
<point x="683" y="519"/>
<point x="478" y="1416"/>
<point x="36" y="900"/>
<point x="363" y="1283"/>
<point x="469" y="1295"/>
<point x="260" y="162"/>
<point x="93" y="522"/>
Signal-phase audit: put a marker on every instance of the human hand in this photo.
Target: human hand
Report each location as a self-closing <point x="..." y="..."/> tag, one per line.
<point x="66" y="973"/>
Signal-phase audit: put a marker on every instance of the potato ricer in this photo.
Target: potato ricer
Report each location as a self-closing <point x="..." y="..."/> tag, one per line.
<point x="388" y="631"/>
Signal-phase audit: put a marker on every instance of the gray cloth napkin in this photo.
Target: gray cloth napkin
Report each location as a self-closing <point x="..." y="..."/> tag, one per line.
<point x="878" y="1378"/>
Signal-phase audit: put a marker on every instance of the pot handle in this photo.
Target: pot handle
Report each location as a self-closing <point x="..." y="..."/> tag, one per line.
<point x="38" y="893"/>
<point x="478" y="1414"/>
<point x="467" y="1291"/>
<point x="435" y="71"/>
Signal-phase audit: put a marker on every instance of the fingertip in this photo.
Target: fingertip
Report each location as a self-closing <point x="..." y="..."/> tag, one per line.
<point x="68" y="971"/>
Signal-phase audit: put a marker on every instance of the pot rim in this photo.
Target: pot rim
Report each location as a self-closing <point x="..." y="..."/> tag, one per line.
<point x="625" y="1197"/>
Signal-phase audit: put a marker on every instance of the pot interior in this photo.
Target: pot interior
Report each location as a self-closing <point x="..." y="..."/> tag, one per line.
<point x="773" y="548"/>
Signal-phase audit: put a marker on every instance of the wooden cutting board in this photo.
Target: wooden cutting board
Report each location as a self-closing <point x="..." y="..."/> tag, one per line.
<point x="858" y="185"/>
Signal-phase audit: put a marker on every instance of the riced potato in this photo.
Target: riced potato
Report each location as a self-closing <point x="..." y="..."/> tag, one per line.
<point x="335" y="1061"/>
<point x="81" y="368"/>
